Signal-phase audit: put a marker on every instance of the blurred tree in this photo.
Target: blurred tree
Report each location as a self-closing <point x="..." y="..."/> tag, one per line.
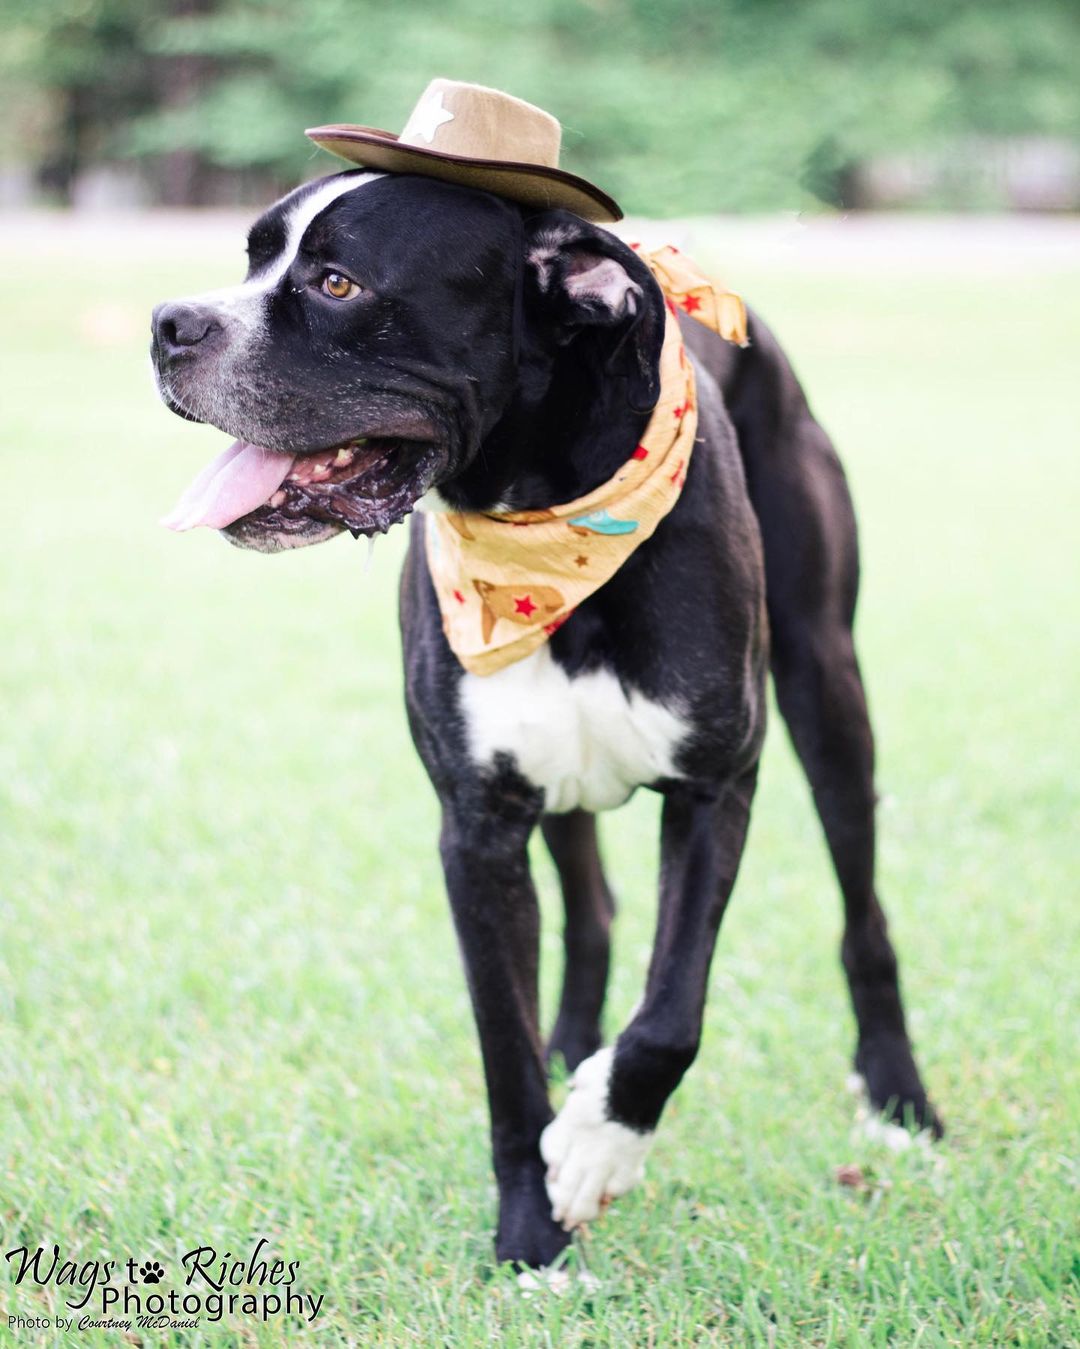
<point x="673" y="105"/>
<point x="182" y="76"/>
<point x="85" y="55"/>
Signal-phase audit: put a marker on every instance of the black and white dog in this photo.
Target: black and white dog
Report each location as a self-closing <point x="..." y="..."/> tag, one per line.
<point x="401" y="343"/>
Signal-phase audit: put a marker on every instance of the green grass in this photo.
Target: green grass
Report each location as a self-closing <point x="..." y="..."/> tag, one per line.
<point x="230" y="997"/>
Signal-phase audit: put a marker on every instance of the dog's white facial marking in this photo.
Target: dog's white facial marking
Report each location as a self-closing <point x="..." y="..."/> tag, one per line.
<point x="585" y="740"/>
<point x="245" y="303"/>
<point x="243" y="309"/>
<point x="591" y="1159"/>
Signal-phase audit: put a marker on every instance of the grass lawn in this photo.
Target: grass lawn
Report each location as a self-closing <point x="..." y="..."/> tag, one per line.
<point x="230" y="998"/>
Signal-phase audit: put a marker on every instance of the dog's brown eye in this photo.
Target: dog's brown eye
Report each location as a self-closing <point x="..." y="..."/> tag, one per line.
<point x="339" y="287"/>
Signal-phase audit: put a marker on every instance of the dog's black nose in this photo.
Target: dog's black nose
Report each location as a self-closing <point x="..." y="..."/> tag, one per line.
<point x="180" y="326"/>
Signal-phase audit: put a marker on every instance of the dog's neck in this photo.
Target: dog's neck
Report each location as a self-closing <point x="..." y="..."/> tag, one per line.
<point x="567" y="429"/>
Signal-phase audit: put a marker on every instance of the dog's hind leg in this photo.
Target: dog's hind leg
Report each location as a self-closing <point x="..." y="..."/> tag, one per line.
<point x="590" y="907"/>
<point x="803" y="505"/>
<point x="820" y="693"/>
<point x="812" y="570"/>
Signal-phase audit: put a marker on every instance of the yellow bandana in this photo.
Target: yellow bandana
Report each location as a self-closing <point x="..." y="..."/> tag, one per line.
<point x="506" y="581"/>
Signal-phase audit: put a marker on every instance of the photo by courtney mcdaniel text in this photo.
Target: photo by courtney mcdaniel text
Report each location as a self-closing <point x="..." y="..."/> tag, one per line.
<point x="127" y="1294"/>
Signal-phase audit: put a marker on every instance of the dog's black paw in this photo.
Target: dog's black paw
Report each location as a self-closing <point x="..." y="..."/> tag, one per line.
<point x="893" y="1085"/>
<point x="528" y="1237"/>
<point x="151" y="1272"/>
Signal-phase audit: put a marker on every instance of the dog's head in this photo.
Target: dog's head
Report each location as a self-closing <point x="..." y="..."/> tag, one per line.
<point x="375" y="342"/>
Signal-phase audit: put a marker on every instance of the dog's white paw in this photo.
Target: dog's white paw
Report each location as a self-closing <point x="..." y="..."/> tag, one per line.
<point x="591" y="1159"/>
<point x="530" y="1282"/>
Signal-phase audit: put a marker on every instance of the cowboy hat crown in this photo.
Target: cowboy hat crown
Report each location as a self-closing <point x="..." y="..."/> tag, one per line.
<point x="479" y="137"/>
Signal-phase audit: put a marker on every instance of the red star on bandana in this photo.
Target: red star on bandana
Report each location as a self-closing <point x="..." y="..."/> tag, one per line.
<point x="640" y="453"/>
<point x="524" y="605"/>
<point x="678" y="477"/>
<point x="459" y="597"/>
<point x="691" y="303"/>
<point x="680" y="412"/>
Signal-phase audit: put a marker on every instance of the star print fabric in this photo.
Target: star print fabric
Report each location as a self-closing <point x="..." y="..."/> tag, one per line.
<point x="506" y="581"/>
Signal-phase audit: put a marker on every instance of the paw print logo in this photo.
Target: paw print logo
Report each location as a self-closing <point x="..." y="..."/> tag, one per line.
<point x="151" y="1272"/>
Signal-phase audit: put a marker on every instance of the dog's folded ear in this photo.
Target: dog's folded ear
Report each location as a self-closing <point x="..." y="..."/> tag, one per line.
<point x="588" y="287"/>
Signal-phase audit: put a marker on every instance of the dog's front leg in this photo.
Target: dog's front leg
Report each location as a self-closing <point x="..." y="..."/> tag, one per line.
<point x="596" y="1147"/>
<point x="484" y="852"/>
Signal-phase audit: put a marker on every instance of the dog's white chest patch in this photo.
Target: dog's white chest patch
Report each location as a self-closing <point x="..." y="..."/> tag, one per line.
<point x="584" y="740"/>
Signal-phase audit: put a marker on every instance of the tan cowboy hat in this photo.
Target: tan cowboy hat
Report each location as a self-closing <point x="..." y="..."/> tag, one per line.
<point x="464" y="133"/>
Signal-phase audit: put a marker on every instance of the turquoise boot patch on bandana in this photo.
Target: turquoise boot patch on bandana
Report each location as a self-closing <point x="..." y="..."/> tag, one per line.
<point x="603" y="522"/>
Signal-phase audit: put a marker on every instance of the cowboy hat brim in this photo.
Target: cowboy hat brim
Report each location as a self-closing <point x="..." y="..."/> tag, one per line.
<point x="531" y="184"/>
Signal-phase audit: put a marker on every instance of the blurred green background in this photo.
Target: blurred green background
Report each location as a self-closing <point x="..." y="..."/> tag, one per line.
<point x="675" y="106"/>
<point x="230" y="1001"/>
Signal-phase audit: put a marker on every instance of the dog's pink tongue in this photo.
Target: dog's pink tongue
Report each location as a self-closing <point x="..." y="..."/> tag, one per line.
<point x="239" y="481"/>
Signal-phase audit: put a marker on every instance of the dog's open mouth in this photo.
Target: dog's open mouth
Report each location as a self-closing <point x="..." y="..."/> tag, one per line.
<point x="364" y="485"/>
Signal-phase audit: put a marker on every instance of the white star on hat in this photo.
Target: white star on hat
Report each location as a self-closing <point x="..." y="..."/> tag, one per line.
<point x="428" y="117"/>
